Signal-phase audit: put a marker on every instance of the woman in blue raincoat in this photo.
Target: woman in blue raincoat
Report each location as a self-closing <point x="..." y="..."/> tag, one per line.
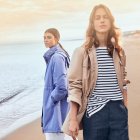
<point x="55" y="106"/>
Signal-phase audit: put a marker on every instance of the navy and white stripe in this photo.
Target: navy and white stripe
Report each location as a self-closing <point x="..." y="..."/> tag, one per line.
<point x="107" y="87"/>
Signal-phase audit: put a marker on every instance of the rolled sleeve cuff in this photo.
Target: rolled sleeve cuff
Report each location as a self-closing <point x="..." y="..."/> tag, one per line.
<point x="74" y="99"/>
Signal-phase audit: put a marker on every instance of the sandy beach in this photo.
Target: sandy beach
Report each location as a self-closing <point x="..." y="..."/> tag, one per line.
<point x="33" y="131"/>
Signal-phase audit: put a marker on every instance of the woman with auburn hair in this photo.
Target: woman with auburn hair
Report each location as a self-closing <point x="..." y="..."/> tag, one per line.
<point x="55" y="106"/>
<point x="97" y="83"/>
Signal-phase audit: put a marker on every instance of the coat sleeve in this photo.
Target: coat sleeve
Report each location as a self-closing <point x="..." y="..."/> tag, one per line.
<point x="125" y="81"/>
<point x="75" y="76"/>
<point x="60" y="81"/>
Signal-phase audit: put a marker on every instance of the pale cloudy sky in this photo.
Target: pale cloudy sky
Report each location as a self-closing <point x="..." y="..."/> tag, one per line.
<point x="26" y="20"/>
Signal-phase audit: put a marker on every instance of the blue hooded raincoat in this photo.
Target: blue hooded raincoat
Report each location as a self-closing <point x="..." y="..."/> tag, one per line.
<point x="55" y="106"/>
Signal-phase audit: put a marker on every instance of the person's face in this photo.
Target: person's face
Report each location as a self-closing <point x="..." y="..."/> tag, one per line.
<point x="49" y="40"/>
<point x="101" y="21"/>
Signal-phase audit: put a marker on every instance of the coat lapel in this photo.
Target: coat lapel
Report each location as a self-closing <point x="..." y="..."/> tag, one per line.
<point x="94" y="67"/>
<point x="117" y="63"/>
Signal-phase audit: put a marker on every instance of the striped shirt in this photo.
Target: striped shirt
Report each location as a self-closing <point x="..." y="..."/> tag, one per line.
<point x="107" y="87"/>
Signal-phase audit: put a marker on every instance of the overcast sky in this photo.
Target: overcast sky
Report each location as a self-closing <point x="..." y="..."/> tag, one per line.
<point x="26" y="20"/>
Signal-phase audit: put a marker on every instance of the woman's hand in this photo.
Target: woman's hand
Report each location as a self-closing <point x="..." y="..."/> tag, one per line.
<point x="74" y="128"/>
<point x="125" y="97"/>
<point x="73" y="124"/>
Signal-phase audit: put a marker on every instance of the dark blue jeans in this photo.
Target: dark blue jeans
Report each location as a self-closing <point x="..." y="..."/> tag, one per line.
<point x="110" y="123"/>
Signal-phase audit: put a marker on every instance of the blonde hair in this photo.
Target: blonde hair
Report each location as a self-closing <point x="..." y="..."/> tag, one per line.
<point x="113" y="34"/>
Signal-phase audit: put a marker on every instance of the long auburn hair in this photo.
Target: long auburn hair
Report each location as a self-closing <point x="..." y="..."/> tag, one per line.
<point x="56" y="34"/>
<point x="113" y="38"/>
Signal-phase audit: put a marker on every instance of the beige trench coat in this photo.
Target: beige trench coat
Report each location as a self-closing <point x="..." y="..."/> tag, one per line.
<point x="82" y="78"/>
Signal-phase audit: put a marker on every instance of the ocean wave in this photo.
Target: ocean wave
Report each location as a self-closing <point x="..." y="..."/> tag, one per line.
<point x="7" y="98"/>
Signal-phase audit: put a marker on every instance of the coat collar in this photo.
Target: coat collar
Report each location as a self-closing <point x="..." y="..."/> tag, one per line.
<point x="47" y="56"/>
<point x="50" y="52"/>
